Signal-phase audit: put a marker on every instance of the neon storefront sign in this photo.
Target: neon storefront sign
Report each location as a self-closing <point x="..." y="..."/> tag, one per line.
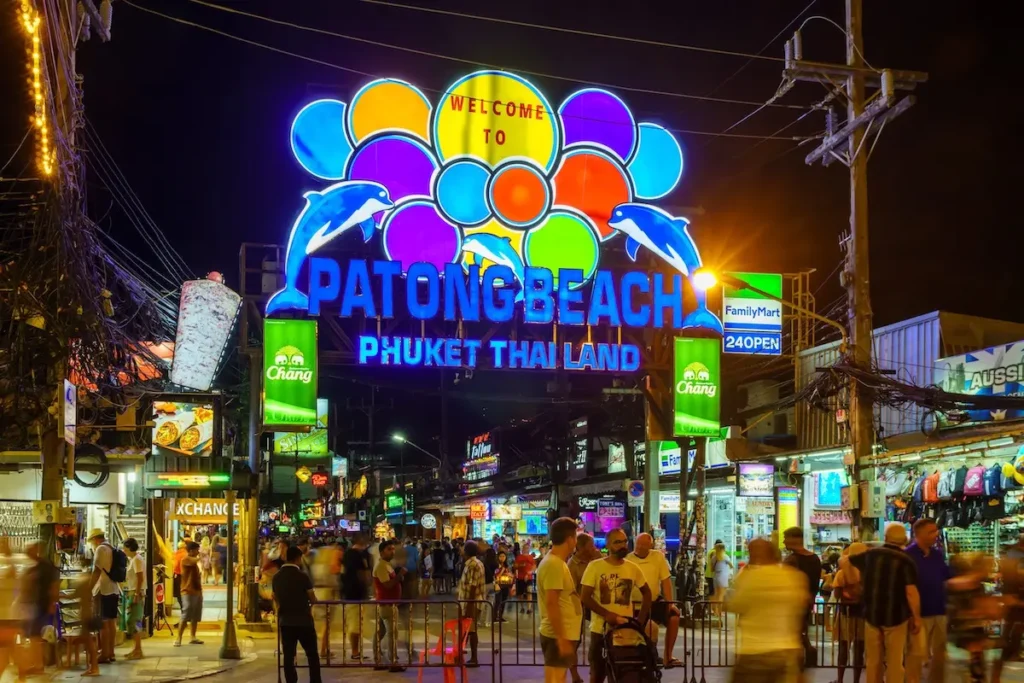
<point x="485" y="201"/>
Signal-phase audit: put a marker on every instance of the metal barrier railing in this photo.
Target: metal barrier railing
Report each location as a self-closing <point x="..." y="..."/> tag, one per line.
<point x="445" y="634"/>
<point x="436" y="634"/>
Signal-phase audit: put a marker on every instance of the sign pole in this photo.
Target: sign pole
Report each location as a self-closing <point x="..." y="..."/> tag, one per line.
<point x="229" y="644"/>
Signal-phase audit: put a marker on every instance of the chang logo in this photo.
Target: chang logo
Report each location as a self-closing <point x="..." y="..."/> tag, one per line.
<point x="290" y="366"/>
<point x="697" y="381"/>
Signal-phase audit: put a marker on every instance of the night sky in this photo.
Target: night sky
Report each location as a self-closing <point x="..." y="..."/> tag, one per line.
<point x="199" y="126"/>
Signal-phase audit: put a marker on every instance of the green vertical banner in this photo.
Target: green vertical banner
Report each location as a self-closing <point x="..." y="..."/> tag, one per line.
<point x="697" y="384"/>
<point x="289" y="374"/>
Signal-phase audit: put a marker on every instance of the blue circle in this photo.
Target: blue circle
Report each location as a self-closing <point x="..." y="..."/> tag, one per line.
<point x="461" y="191"/>
<point x="657" y="165"/>
<point x="318" y="139"/>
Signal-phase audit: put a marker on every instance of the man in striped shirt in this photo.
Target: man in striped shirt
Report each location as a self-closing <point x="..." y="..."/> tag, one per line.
<point x="892" y="604"/>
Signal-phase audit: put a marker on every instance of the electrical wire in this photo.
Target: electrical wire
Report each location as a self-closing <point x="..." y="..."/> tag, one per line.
<point x="572" y="31"/>
<point x="844" y="32"/>
<point x="461" y="60"/>
<point x="20" y="145"/>
<point x="762" y="50"/>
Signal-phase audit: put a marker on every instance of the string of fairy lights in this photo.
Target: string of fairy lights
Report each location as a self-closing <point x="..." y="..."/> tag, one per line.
<point x="30" y="22"/>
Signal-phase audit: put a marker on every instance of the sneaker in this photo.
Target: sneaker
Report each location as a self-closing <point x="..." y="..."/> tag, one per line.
<point x="396" y="669"/>
<point x="177" y="643"/>
<point x="196" y="641"/>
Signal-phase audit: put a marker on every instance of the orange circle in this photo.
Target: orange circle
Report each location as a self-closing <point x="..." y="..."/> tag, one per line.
<point x="593" y="184"/>
<point x="519" y="195"/>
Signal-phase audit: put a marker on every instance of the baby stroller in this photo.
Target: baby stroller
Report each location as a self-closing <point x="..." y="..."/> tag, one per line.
<point x="631" y="663"/>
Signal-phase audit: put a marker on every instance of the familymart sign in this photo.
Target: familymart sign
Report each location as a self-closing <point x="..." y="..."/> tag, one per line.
<point x="752" y="317"/>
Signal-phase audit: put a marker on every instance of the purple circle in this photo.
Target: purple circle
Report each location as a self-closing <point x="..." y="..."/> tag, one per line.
<point x="597" y="117"/>
<point x="417" y="232"/>
<point x="400" y="163"/>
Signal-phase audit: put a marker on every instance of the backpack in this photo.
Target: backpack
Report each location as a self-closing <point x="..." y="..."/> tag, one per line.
<point x="975" y="484"/>
<point x="994" y="481"/>
<point x="959" y="478"/>
<point x="945" y="488"/>
<point x="930" y="489"/>
<point x="118" y="572"/>
<point x="917" y="495"/>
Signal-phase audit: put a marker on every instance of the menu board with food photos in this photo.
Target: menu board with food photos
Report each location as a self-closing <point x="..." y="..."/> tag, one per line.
<point x="182" y="428"/>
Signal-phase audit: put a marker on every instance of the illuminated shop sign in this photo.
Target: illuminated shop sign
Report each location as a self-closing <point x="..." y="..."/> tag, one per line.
<point x="755" y="479"/>
<point x="696" y="388"/>
<point x="752" y="320"/>
<point x="187" y="480"/>
<point x="482" y="463"/>
<point x="312" y="443"/>
<point x="489" y="200"/>
<point x="290" y="374"/>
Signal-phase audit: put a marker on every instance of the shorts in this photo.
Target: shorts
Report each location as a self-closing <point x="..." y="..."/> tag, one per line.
<point x="660" y="611"/>
<point x="554" y="658"/>
<point x="522" y="589"/>
<point x="134" y="611"/>
<point x="106" y="606"/>
<point x="192" y="607"/>
<point x="357" y="619"/>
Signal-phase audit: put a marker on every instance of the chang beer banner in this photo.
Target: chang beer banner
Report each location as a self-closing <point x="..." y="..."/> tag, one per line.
<point x="696" y="388"/>
<point x="289" y="374"/>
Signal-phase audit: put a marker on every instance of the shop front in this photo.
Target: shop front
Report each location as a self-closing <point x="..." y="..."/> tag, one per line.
<point x="519" y="519"/>
<point x="600" y="513"/>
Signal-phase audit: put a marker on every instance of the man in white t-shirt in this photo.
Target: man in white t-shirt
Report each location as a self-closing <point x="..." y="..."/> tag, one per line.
<point x="561" y="614"/>
<point x="106" y="592"/>
<point x="608" y="592"/>
<point x="135" y="596"/>
<point x="663" y="612"/>
<point x="770" y="601"/>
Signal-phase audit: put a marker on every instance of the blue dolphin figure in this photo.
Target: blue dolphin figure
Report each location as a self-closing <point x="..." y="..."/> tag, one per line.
<point x="497" y="250"/>
<point x="327" y="214"/>
<point x="666" y="236"/>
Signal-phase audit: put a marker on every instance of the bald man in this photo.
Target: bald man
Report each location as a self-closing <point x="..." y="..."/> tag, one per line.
<point x="608" y="590"/>
<point x="656" y="571"/>
<point x="769" y="600"/>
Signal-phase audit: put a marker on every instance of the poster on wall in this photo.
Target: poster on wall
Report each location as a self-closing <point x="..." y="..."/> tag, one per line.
<point x="696" y="390"/>
<point x="828" y="487"/>
<point x="616" y="458"/>
<point x="755" y="479"/>
<point x="290" y="374"/>
<point x="306" y="444"/>
<point x="181" y="428"/>
<point x="995" y="371"/>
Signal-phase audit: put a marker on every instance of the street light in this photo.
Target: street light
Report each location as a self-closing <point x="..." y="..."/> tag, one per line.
<point x="401" y="439"/>
<point x="705" y="279"/>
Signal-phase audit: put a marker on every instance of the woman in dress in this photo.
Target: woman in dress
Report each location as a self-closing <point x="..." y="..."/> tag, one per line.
<point x="206" y="560"/>
<point x="723" y="569"/>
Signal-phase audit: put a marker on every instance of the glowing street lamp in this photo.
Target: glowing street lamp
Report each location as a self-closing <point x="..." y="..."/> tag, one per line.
<point x="705" y="279"/>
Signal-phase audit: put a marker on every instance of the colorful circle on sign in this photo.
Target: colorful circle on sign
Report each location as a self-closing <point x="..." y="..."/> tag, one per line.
<point x="417" y="232"/>
<point x="388" y="105"/>
<point x="400" y="163"/>
<point x="658" y="164"/>
<point x="460" y="189"/>
<point x="594" y="182"/>
<point x="598" y="118"/>
<point x="566" y="239"/>
<point x="492" y="227"/>
<point x="496" y="116"/>
<point x="318" y="139"/>
<point x="519" y="194"/>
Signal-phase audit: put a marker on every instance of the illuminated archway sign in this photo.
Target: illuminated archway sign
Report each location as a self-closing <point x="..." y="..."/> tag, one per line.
<point x="489" y="200"/>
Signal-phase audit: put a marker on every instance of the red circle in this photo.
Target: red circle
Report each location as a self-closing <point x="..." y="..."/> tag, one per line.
<point x="594" y="184"/>
<point x="519" y="195"/>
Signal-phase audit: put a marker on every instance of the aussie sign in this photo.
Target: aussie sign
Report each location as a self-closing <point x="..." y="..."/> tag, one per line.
<point x="751" y="317"/>
<point x="488" y="201"/>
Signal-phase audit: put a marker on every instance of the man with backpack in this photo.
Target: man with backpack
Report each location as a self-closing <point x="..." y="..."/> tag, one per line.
<point x="109" y="569"/>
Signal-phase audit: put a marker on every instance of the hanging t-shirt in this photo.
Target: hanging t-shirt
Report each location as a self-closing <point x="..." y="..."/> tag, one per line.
<point x="613" y="590"/>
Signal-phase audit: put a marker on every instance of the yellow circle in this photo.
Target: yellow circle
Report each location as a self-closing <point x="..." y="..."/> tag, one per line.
<point x="388" y="105"/>
<point x="494" y="116"/>
<point x="492" y="227"/>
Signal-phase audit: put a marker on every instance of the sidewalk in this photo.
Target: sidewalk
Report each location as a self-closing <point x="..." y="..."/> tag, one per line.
<point x="163" y="662"/>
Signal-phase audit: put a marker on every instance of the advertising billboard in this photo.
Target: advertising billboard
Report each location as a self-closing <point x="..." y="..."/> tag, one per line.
<point x="498" y="200"/>
<point x="696" y="388"/>
<point x="182" y="428"/>
<point x="579" y="451"/>
<point x="309" y="444"/>
<point x="753" y="319"/>
<point x="755" y="479"/>
<point x="290" y="374"/>
<point x="995" y="371"/>
<point x="481" y="464"/>
<point x="206" y="315"/>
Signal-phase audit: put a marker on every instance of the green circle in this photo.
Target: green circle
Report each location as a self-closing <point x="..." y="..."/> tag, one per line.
<point x="564" y="240"/>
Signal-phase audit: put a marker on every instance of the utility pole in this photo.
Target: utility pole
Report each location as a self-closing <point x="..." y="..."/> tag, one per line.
<point x="865" y="120"/>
